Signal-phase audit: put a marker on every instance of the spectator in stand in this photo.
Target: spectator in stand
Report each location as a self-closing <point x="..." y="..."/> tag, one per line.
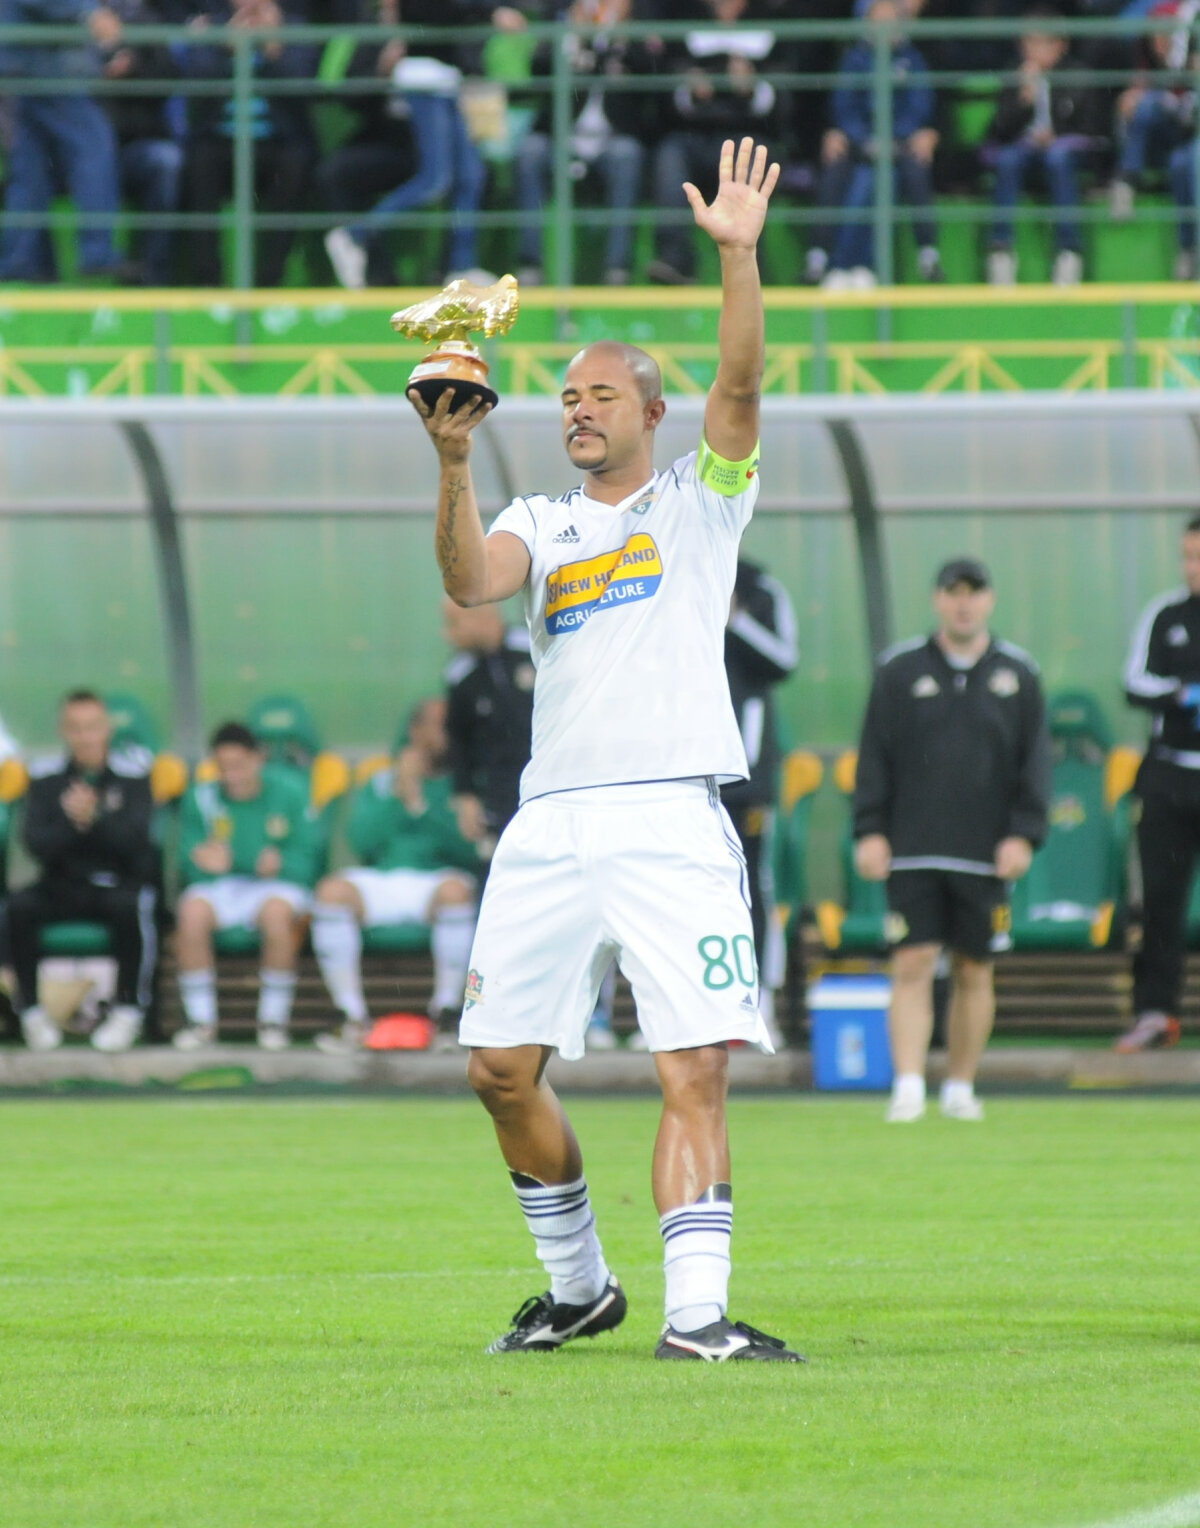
<point x="248" y="853"/>
<point x="150" y="157"/>
<point x="59" y="138"/>
<point x="850" y="154"/>
<point x="282" y="138"/>
<point x="489" y="719"/>
<point x="379" y="152"/>
<point x="608" y="139"/>
<point x="87" y="823"/>
<point x="1156" y="127"/>
<point x="416" y="868"/>
<point x="1044" y="125"/>
<point x="447" y="163"/>
<point x="723" y="96"/>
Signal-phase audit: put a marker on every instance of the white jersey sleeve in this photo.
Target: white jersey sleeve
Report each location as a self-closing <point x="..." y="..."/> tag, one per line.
<point x="517" y="519"/>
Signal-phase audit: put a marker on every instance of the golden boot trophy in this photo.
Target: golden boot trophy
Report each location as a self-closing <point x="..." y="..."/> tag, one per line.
<point x="460" y="310"/>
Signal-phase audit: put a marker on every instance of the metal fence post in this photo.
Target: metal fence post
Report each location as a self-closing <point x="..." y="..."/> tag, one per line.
<point x="881" y="92"/>
<point x="243" y="162"/>
<point x="564" y="222"/>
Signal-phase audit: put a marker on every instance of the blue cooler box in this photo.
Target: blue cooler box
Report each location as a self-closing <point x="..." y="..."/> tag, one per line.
<point x="849" y="1032"/>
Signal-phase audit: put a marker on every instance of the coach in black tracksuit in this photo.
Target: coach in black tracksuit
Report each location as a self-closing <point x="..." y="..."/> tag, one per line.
<point x="760" y="652"/>
<point x="950" y="801"/>
<point x="1163" y="675"/>
<point x="87" y="822"/>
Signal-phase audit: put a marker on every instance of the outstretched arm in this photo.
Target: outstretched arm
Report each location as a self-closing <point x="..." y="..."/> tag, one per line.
<point x="476" y="569"/>
<point x="734" y="222"/>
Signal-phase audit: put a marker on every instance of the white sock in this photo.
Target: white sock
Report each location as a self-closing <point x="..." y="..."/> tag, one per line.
<point x="909" y="1085"/>
<point x="452" y="935"/>
<point x="956" y="1091"/>
<point x="198" y="994"/>
<point x="559" y="1215"/>
<point x="696" y="1261"/>
<point x="275" y="992"/>
<point x="337" y="944"/>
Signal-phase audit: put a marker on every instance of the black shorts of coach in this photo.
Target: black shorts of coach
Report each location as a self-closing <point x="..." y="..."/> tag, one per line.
<point x="965" y="913"/>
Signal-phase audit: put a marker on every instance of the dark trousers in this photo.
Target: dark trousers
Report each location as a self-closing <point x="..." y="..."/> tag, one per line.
<point x="1168" y="837"/>
<point x="128" y="912"/>
<point x="281" y="168"/>
<point x="354" y="177"/>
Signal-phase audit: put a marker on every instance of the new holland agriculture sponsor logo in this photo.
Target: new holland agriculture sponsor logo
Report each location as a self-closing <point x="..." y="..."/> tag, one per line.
<point x="577" y="590"/>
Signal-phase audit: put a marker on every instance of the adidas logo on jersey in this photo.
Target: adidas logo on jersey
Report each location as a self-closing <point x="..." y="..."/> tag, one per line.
<point x="567" y="537"/>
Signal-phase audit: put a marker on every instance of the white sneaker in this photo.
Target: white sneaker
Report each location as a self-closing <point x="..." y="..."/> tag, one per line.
<point x="40" y="1031"/>
<point x="600" y="1037"/>
<point x="1184" y="268"/>
<point x="1001" y="268"/>
<point x="960" y="1105"/>
<point x="273" y="1037"/>
<point x="119" y="1030"/>
<point x="1068" y="268"/>
<point x="531" y="276"/>
<point x="863" y="278"/>
<point x="348" y="258"/>
<point x="194" y="1037"/>
<point x="637" y="1042"/>
<point x="475" y="274"/>
<point x="837" y="280"/>
<point x="905" y="1109"/>
<point x="344" y="1041"/>
<point x="1120" y="201"/>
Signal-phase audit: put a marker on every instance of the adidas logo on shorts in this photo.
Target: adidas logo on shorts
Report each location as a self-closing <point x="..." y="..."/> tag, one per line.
<point x="565" y="538"/>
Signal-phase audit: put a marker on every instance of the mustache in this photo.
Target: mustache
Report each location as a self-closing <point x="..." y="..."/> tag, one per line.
<point x="577" y="429"/>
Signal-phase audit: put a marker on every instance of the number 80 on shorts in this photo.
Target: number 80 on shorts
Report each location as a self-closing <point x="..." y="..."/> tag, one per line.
<point x="727" y="961"/>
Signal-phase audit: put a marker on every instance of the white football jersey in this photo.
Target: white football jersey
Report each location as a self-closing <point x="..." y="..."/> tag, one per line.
<point x="627" y="606"/>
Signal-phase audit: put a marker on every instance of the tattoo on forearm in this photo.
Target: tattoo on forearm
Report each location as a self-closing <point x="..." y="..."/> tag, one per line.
<point x="447" y="545"/>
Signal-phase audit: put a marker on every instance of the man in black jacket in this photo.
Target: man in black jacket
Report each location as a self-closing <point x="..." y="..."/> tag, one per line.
<point x="489" y="719"/>
<point x="760" y="652"/>
<point x="949" y="804"/>
<point x="87" y="822"/>
<point x="1041" y="124"/>
<point x="1163" y="676"/>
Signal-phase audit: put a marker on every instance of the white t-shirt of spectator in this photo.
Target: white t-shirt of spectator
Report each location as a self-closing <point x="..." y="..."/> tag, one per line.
<point x="627" y="606"/>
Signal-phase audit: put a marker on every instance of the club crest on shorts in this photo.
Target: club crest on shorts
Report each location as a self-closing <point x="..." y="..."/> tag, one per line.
<point x="1001" y="929"/>
<point x="895" y="927"/>
<point x="474" y="993"/>
<point x="1004" y="682"/>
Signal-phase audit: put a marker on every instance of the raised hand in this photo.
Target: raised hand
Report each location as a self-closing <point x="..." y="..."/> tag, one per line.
<point x="735" y="216"/>
<point x="450" y="428"/>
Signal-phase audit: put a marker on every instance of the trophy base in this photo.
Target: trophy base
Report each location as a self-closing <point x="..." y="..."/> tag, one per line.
<point x="430" y="389"/>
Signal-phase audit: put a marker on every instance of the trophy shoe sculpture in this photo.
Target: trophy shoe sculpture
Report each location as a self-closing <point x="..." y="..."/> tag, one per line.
<point x="460" y="310"/>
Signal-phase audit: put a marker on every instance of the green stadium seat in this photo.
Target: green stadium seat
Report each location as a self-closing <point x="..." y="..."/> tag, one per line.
<point x="860" y="924"/>
<point x="1068" y="898"/>
<point x="800" y="779"/>
<point x="284" y="726"/>
<point x="132" y="726"/>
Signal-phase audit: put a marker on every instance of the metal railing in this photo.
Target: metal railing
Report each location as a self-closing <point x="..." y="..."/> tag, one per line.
<point x="563" y="216"/>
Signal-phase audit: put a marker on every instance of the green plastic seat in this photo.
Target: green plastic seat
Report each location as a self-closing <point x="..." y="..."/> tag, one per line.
<point x="396" y="939"/>
<point x="285" y="728"/>
<point x="858" y="925"/>
<point x="800" y="779"/>
<point x="76" y="939"/>
<point x="132" y="726"/>
<point x="1067" y="900"/>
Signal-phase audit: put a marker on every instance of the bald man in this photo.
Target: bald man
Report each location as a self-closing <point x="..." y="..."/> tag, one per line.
<point x="621" y="849"/>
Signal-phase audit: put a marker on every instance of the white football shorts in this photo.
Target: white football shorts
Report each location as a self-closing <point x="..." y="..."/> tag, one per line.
<point x="651" y="876"/>
<point x="237" y="900"/>
<point x="398" y="896"/>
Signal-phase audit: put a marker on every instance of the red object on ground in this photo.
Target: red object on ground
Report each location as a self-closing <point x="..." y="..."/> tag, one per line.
<point x="401" y="1031"/>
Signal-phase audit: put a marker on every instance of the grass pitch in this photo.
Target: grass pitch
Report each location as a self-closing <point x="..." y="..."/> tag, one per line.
<point x="224" y="1314"/>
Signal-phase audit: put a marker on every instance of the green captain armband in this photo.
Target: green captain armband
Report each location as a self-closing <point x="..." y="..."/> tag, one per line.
<point x="725" y="477"/>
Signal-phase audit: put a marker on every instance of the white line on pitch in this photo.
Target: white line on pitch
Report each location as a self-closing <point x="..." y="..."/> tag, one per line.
<point x="1183" y="1512"/>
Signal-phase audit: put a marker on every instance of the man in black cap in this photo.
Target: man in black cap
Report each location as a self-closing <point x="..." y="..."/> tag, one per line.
<point x="1163" y="676"/>
<point x="949" y="804"/>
